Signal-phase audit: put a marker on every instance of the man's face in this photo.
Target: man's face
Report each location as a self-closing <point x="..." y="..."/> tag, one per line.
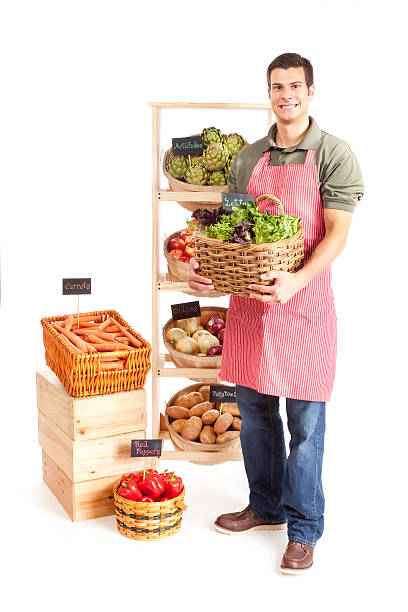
<point x="289" y="95"/>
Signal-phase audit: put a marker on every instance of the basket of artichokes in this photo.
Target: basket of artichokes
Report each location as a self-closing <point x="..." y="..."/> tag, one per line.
<point x="206" y="172"/>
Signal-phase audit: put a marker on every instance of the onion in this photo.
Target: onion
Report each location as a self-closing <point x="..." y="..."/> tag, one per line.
<point x="211" y="323"/>
<point x="214" y="350"/>
<point x="201" y="332"/>
<point x="221" y="335"/>
<point x="174" y="334"/>
<point x="189" y="325"/>
<point x="205" y="341"/>
<point x="187" y="346"/>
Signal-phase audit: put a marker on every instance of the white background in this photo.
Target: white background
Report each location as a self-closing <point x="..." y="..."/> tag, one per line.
<point x="76" y="78"/>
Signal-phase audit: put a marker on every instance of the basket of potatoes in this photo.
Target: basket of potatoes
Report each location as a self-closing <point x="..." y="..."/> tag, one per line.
<point x="195" y="423"/>
<point x="197" y="342"/>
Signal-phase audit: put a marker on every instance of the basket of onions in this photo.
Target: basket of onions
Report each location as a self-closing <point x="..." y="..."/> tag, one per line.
<point x="197" y="342"/>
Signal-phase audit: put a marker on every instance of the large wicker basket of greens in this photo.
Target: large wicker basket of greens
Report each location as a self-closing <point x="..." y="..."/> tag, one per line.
<point x="207" y="172"/>
<point x="235" y="247"/>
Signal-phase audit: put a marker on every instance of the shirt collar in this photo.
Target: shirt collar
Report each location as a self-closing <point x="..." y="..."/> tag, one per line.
<point x="310" y="140"/>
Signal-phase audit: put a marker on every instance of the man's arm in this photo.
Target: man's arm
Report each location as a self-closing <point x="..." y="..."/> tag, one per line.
<point x="286" y="284"/>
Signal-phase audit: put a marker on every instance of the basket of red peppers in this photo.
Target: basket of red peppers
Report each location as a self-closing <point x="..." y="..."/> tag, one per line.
<point x="149" y="505"/>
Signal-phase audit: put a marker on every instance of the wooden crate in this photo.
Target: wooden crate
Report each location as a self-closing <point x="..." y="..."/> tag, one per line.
<point x="88" y="459"/>
<point x="90" y="417"/>
<point x="82" y="500"/>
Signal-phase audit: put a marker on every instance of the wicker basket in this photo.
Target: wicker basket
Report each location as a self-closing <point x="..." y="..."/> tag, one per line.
<point x="177" y="185"/>
<point x="81" y="374"/>
<point x="178" y="269"/>
<point x="148" y="520"/>
<point x="181" y="443"/>
<point x="232" y="267"/>
<point x="193" y="361"/>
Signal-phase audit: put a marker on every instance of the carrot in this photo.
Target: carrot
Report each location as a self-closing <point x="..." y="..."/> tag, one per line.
<point x="68" y="323"/>
<point x="72" y="346"/>
<point x="73" y="338"/>
<point x="112" y="365"/>
<point x="112" y="328"/>
<point x="133" y="340"/>
<point x="111" y="346"/>
<point x="94" y="339"/>
<point x="122" y="339"/>
<point x="104" y="325"/>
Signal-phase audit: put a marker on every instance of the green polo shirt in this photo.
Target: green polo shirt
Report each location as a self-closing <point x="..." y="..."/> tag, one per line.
<point x="340" y="180"/>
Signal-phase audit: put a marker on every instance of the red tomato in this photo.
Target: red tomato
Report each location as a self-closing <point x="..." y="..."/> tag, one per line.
<point x="189" y="240"/>
<point x="185" y="258"/>
<point x="190" y="250"/>
<point x="184" y="234"/>
<point x="177" y="244"/>
<point x="177" y="253"/>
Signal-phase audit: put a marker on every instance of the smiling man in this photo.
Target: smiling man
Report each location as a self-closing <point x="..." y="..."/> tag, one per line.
<point x="281" y="342"/>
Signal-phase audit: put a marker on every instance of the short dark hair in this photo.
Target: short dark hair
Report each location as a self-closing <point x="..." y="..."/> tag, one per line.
<point x="291" y="60"/>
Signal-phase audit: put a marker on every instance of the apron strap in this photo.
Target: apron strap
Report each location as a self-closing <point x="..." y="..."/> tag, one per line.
<point x="309" y="157"/>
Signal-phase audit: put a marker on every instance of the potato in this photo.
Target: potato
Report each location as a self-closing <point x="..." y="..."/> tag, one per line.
<point x="209" y="417"/>
<point x="177" y="425"/>
<point x="199" y="409"/>
<point x="178" y="412"/>
<point x="207" y="435"/>
<point x="163" y="424"/>
<point x="236" y="423"/>
<point x="188" y="400"/>
<point x="205" y="392"/>
<point x="191" y="429"/>
<point x="227" y="436"/>
<point x="230" y="408"/>
<point x="222" y="423"/>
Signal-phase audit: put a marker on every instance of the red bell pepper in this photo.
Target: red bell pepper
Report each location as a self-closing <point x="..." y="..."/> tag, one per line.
<point x="163" y="498"/>
<point x="146" y="498"/>
<point x="131" y="476"/>
<point x="173" y="486"/>
<point x="130" y="490"/>
<point x="166" y="475"/>
<point x="152" y="485"/>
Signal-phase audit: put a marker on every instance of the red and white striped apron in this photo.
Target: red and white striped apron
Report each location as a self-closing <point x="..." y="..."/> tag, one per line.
<point x="287" y="350"/>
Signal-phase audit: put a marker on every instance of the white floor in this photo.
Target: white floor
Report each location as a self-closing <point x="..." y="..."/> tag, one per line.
<point x="88" y="565"/>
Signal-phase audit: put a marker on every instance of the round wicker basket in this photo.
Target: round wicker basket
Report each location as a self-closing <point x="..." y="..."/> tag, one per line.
<point x="193" y="361"/>
<point x="181" y="443"/>
<point x="232" y="267"/>
<point x="178" y="269"/>
<point x="177" y="185"/>
<point x="148" y="520"/>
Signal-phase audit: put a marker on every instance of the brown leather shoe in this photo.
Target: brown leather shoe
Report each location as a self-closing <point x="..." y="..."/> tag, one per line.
<point x="244" y="521"/>
<point x="297" y="559"/>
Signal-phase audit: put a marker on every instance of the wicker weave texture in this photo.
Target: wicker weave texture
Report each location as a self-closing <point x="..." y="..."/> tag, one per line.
<point x="149" y="520"/>
<point x="81" y="374"/>
<point x="232" y="267"/>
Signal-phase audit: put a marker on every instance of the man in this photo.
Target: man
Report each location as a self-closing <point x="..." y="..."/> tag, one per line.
<point x="281" y="342"/>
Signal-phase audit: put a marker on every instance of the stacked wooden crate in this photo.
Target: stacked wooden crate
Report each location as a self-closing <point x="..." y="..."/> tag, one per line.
<point x="86" y="444"/>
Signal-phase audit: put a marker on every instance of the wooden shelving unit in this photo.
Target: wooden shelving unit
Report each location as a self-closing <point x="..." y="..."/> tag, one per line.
<point x="160" y="282"/>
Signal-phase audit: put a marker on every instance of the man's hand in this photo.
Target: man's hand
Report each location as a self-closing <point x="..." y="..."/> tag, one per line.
<point x="285" y="286"/>
<point x="196" y="282"/>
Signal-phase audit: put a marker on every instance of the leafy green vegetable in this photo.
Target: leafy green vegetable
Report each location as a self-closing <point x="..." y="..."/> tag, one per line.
<point x="260" y="227"/>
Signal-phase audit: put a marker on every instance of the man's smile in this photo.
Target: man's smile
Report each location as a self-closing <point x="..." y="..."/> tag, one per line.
<point x="288" y="106"/>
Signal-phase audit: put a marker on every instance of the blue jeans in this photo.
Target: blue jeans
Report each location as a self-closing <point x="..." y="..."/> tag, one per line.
<point x="284" y="489"/>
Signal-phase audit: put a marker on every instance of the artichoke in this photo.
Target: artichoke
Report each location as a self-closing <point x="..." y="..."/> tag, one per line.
<point x="215" y="156"/>
<point x="211" y="134"/>
<point x="197" y="159"/>
<point x="217" y="178"/>
<point x="196" y="175"/>
<point x="228" y="165"/>
<point x="177" y="165"/>
<point x="234" y="143"/>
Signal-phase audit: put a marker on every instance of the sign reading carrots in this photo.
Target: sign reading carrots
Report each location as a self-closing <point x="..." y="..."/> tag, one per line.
<point x="76" y="286"/>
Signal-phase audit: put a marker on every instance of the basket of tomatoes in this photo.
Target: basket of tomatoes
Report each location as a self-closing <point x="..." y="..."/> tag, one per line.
<point x="149" y="505"/>
<point x="179" y="248"/>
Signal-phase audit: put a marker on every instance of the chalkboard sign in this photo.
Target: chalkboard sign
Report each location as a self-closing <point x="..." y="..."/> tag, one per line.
<point x="146" y="448"/>
<point x="191" y="145"/>
<point x="186" y="310"/>
<point x="235" y="199"/>
<point x="222" y="393"/>
<point x="76" y="286"/>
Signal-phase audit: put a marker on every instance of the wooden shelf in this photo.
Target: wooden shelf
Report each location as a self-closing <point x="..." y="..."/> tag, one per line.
<point x="242" y="105"/>
<point x="176" y="372"/>
<point x="167" y="195"/>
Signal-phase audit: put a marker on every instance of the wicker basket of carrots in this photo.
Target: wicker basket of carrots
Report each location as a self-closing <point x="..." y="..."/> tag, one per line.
<point x="95" y="353"/>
